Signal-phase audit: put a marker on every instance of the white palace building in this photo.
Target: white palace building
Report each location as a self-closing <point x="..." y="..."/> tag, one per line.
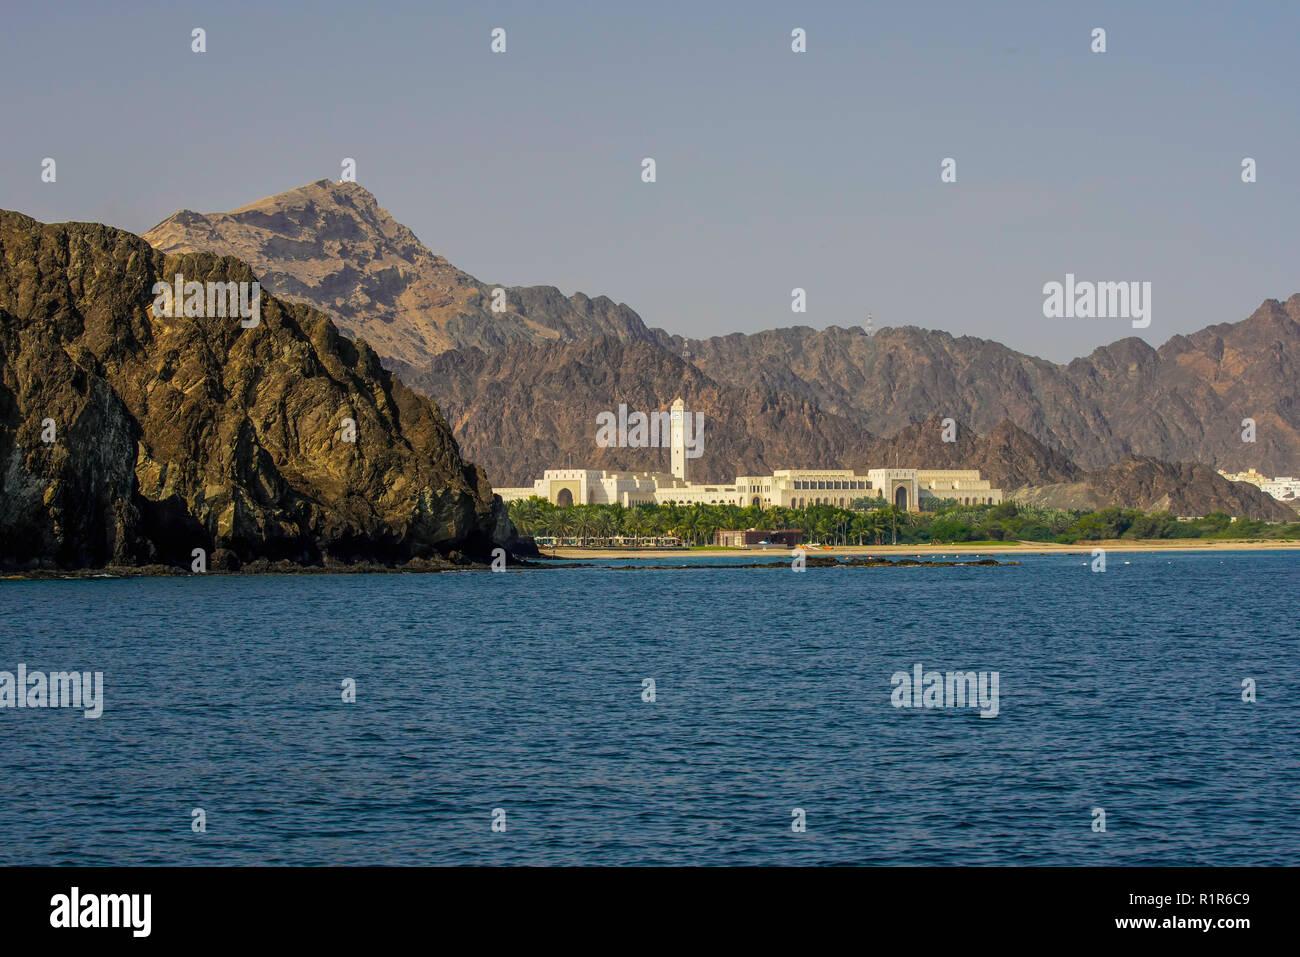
<point x="789" y="488"/>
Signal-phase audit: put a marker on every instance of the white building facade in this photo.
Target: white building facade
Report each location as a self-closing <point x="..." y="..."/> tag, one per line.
<point x="907" y="488"/>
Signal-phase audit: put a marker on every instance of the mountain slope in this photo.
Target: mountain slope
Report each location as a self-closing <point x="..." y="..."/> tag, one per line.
<point x="522" y="410"/>
<point x="525" y="409"/>
<point x="178" y="433"/>
<point x="1007" y="456"/>
<point x="529" y="408"/>
<point x="330" y="245"/>
<point x="1154" y="486"/>
<point x="1183" y="401"/>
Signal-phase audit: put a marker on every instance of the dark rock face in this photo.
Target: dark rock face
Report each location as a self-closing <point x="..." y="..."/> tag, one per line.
<point x="1184" y="489"/>
<point x="179" y="433"/>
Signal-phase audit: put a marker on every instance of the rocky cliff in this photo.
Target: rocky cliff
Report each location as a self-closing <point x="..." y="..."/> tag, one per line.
<point x="126" y="438"/>
<point x="332" y="246"/>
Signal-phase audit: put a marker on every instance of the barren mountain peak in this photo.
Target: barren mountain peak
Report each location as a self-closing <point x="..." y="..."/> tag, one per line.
<point x="331" y="245"/>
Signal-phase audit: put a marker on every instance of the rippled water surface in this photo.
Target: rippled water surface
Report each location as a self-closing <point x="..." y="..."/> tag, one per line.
<point x="523" y="691"/>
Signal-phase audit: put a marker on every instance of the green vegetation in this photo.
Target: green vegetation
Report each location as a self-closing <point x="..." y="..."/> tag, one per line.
<point x="878" y="524"/>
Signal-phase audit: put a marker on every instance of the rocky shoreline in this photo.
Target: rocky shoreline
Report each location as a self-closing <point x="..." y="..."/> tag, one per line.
<point x="134" y="437"/>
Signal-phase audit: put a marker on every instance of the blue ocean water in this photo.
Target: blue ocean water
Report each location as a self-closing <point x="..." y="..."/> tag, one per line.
<point x="523" y="691"/>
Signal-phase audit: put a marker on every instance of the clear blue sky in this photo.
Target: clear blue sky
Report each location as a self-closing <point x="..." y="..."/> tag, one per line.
<point x="775" y="169"/>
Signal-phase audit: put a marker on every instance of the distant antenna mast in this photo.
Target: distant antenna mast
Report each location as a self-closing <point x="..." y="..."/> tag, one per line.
<point x="868" y="323"/>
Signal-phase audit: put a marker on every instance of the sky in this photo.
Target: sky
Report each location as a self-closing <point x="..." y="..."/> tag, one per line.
<point x="774" y="169"/>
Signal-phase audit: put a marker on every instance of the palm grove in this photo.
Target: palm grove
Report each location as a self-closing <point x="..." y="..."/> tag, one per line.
<point x="873" y="522"/>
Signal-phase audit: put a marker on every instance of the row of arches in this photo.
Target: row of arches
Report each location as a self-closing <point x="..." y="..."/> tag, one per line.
<point x="900" y="500"/>
<point x="564" y="498"/>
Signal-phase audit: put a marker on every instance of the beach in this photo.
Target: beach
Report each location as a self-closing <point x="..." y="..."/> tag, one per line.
<point x="968" y="548"/>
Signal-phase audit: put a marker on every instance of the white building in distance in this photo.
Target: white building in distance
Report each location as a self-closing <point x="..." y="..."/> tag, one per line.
<point x="1284" y="488"/>
<point x="789" y="488"/>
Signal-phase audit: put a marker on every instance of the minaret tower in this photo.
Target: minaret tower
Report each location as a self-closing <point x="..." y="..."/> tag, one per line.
<point x="678" y="439"/>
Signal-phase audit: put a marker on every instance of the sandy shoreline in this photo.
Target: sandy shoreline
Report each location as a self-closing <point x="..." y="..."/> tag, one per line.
<point x="1001" y="548"/>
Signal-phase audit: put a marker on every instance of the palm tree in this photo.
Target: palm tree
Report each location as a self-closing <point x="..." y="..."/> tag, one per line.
<point x="604" y="525"/>
<point x="690" y="524"/>
<point x="872" y="525"/>
<point x="524" y="513"/>
<point x="515" y="510"/>
<point x="634" y="524"/>
<point x="858" y="526"/>
<point x="583" y="524"/>
<point x="559" y="524"/>
<point x="893" y="519"/>
<point x="824" y="525"/>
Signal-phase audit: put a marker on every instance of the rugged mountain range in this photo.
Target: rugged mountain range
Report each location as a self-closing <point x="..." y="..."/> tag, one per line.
<point x="1184" y="401"/>
<point x="521" y="410"/>
<point x="526" y="408"/>
<point x="331" y="246"/>
<point x="521" y="388"/>
<point x="129" y="439"/>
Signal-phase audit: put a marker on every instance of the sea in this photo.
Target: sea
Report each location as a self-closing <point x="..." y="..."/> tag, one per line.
<point x="614" y="713"/>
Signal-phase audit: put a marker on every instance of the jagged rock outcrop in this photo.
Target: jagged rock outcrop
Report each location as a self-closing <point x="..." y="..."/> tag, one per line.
<point x="330" y="245"/>
<point x="171" y="434"/>
<point x="1154" y="486"/>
